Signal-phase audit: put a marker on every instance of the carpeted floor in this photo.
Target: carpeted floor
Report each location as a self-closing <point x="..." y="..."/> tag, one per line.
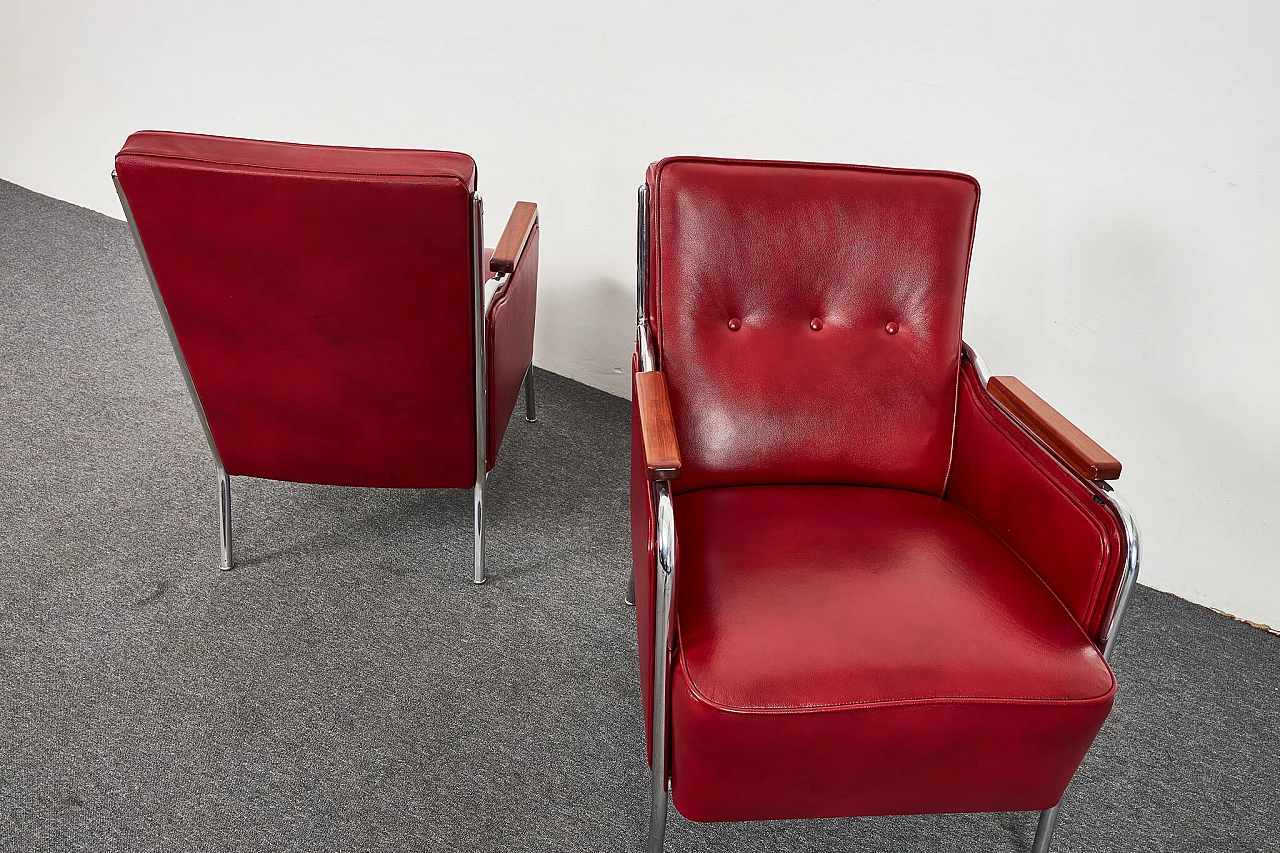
<point x="348" y="688"/>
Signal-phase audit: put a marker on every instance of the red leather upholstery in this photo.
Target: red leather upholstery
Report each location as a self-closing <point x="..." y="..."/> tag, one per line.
<point x="888" y="595"/>
<point x="1039" y="507"/>
<point x="322" y="299"/>
<point x="510" y="335"/>
<point x="863" y="651"/>
<point x="776" y="247"/>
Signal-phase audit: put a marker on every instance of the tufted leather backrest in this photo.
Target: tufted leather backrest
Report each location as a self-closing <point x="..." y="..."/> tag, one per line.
<point x="322" y="300"/>
<point x="807" y="317"/>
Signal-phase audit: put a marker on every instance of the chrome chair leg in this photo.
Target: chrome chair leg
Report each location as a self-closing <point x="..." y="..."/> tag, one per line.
<point x="631" y="588"/>
<point x="1044" y="829"/>
<point x="530" y="404"/>
<point x="657" y="819"/>
<point x="224" y="519"/>
<point x="478" y="494"/>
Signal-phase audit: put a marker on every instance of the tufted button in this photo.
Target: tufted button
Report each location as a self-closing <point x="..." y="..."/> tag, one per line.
<point x="734" y="324"/>
<point x="891" y="327"/>
<point x="815" y="324"/>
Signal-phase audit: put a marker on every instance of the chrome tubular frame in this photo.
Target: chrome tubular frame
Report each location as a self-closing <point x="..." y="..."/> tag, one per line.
<point x="224" y="479"/>
<point x="665" y="536"/>
<point x="1119" y="605"/>
<point x="644" y="342"/>
<point x="530" y="402"/>
<point x="479" y="309"/>
<point x="644" y="338"/>
<point x="665" y="548"/>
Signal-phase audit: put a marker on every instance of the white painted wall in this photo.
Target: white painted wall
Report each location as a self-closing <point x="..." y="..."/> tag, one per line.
<point x="1126" y="264"/>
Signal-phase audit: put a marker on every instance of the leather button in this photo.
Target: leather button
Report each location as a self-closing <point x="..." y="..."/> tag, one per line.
<point x="891" y="327"/>
<point x="734" y="324"/>
<point x="815" y="324"/>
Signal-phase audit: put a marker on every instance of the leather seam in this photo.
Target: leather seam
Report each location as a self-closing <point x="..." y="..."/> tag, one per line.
<point x="819" y="166"/>
<point x="927" y="173"/>
<point x="984" y="408"/>
<point x="833" y="484"/>
<point x="959" y="354"/>
<point x="925" y="700"/>
<point x="294" y="169"/>
<point x="916" y="701"/>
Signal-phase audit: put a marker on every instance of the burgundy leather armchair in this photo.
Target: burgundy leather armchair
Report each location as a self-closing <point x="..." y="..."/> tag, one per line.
<point x="869" y="579"/>
<point x="332" y="310"/>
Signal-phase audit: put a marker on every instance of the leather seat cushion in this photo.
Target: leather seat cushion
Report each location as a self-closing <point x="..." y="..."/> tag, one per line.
<point x="857" y="651"/>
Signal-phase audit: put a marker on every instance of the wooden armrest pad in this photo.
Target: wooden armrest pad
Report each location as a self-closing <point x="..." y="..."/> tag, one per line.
<point x="1081" y="453"/>
<point x="657" y="429"/>
<point x="519" y="226"/>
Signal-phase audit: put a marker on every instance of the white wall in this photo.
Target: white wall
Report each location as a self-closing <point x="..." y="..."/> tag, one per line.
<point x="1126" y="264"/>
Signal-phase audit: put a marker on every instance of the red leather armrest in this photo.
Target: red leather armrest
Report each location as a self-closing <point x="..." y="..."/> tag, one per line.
<point x="1041" y="508"/>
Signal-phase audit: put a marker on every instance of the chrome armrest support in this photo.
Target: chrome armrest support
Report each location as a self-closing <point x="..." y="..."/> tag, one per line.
<point x="665" y="548"/>
<point x="1129" y="575"/>
<point x="644" y="345"/>
<point x="644" y="335"/>
<point x="1104" y="491"/>
<point x="491" y="288"/>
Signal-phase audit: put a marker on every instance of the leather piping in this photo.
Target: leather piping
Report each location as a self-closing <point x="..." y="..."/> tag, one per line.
<point x="684" y="665"/>
<point x="655" y="238"/>
<point x="298" y="171"/>
<point x="697" y="693"/>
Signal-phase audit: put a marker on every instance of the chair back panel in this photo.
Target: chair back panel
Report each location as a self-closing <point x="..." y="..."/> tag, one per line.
<point x="322" y="300"/>
<point x="808" y="319"/>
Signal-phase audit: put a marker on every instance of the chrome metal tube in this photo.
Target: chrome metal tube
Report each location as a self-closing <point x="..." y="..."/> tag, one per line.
<point x="642" y="252"/>
<point x="1044" y="829"/>
<point x="224" y="518"/>
<point x="979" y="364"/>
<point x="644" y="346"/>
<point x="481" y="392"/>
<point x="530" y="402"/>
<point x="1129" y="577"/>
<point x="644" y="340"/>
<point x="665" y="535"/>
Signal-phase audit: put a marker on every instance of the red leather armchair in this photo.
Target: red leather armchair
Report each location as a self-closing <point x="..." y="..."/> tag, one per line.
<point x="869" y="579"/>
<point x="329" y="309"/>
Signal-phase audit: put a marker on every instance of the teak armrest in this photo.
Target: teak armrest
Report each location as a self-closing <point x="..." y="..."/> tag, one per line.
<point x="657" y="428"/>
<point x="1081" y="453"/>
<point x="519" y="225"/>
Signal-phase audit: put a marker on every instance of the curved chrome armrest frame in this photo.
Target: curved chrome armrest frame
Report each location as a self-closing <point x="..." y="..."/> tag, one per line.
<point x="491" y="288"/>
<point x="1120" y="601"/>
<point x="665" y="554"/>
<point x="644" y="334"/>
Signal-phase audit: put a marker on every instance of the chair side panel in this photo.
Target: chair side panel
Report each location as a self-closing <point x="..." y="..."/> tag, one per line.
<point x="325" y="317"/>
<point x="808" y="319"/>
<point x="1037" y="506"/>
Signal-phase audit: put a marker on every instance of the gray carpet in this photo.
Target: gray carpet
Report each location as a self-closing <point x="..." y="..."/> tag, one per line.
<point x="348" y="688"/>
